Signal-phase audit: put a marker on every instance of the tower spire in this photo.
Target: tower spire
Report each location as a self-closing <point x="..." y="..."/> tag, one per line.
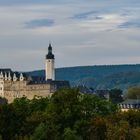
<point x="50" y="55"/>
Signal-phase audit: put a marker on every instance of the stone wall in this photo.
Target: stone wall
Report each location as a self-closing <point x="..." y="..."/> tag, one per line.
<point x="1" y="88"/>
<point x="19" y="89"/>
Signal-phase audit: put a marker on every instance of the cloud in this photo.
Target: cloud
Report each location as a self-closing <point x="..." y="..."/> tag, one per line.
<point x="39" y="23"/>
<point x="84" y="15"/>
<point x="13" y="2"/>
<point x="86" y="30"/>
<point x="26" y="2"/>
<point x="130" y="24"/>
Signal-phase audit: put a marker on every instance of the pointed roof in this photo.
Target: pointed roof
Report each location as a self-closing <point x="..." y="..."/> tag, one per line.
<point x="50" y="46"/>
<point x="50" y="55"/>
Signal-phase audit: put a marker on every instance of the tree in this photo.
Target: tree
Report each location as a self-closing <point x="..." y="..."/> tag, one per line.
<point x="71" y="135"/>
<point x="135" y="133"/>
<point x="98" y="129"/>
<point x="21" y="111"/>
<point x="67" y="115"/>
<point x="39" y="104"/>
<point x="123" y="125"/>
<point x="7" y="122"/>
<point x="69" y="108"/>
<point x="118" y="131"/>
<point x="64" y="109"/>
<point x="39" y="133"/>
<point x="93" y="105"/>
<point x="122" y="130"/>
<point x="133" y="93"/>
<point x="0" y="137"/>
<point x="3" y="100"/>
<point x="116" y="95"/>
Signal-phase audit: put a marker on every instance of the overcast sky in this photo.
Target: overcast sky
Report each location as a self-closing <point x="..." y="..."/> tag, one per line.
<point x="82" y="32"/>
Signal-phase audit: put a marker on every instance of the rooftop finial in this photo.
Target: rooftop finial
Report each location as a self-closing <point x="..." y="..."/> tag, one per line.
<point x="50" y="47"/>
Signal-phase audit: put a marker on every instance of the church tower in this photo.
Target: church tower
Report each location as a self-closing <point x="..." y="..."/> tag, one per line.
<point x="50" y="60"/>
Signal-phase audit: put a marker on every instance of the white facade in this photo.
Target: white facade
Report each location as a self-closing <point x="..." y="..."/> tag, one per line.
<point x="50" y="62"/>
<point x="50" y="70"/>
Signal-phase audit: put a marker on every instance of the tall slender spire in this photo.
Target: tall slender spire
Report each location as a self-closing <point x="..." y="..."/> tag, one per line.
<point x="50" y="55"/>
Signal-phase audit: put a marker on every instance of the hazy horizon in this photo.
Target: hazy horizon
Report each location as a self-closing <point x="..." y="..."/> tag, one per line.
<point x="31" y="70"/>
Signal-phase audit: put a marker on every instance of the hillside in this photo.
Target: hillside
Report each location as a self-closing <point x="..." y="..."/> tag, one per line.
<point x="99" y="77"/>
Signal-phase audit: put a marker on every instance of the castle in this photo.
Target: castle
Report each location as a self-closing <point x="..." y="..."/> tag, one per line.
<point x="16" y="85"/>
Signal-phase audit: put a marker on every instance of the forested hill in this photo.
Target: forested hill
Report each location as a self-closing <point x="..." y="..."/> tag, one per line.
<point x="99" y="77"/>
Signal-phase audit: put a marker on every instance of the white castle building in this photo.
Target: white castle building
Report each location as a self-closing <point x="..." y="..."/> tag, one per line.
<point x="15" y="85"/>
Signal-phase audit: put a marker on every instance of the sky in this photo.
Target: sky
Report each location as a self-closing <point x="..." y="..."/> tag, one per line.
<point x="82" y="32"/>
